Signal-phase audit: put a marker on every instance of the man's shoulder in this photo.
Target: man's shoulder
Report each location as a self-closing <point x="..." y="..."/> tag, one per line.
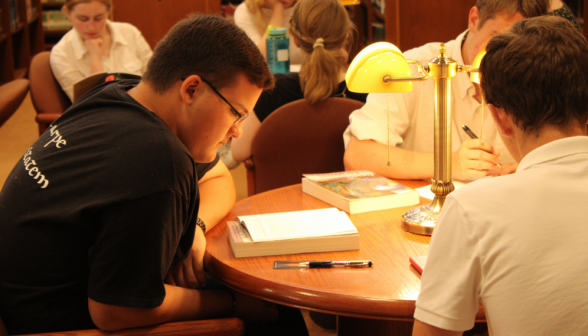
<point x="428" y="51"/>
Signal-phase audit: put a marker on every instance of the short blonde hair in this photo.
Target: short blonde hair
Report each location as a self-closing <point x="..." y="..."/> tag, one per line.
<point x="70" y="4"/>
<point x="322" y="28"/>
<point x="488" y="9"/>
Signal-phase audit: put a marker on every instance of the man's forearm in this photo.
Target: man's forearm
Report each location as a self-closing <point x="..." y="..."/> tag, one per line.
<point x="217" y="195"/>
<point x="180" y="304"/>
<point x="373" y="156"/>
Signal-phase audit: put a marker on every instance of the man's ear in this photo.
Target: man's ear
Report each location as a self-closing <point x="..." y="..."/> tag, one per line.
<point x="190" y="88"/>
<point x="473" y="19"/>
<point x="503" y="120"/>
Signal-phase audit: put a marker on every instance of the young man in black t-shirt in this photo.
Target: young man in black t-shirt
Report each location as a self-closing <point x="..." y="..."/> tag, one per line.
<point x="102" y="221"/>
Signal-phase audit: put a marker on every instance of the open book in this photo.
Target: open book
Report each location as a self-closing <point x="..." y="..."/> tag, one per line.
<point x="358" y="191"/>
<point x="84" y="85"/>
<point x="322" y="230"/>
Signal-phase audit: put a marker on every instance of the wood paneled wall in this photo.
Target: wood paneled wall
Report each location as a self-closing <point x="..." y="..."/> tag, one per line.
<point x="155" y="17"/>
<point x="411" y="23"/>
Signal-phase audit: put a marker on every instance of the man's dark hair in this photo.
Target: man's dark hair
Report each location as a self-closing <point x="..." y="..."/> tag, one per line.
<point x="208" y="46"/>
<point x="488" y="9"/>
<point x="538" y="72"/>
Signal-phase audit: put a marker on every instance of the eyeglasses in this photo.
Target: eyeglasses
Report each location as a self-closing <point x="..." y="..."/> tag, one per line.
<point x="240" y="116"/>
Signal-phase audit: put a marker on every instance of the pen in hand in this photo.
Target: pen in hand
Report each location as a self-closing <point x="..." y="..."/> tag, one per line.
<point x="474" y="136"/>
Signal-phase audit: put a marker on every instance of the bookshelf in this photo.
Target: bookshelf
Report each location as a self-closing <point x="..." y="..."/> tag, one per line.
<point x="21" y="37"/>
<point x="55" y="23"/>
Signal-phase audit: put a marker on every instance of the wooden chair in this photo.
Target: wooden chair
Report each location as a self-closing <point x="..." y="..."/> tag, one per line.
<point x="11" y="96"/>
<point x="47" y="96"/>
<point x="218" y="327"/>
<point x="298" y="139"/>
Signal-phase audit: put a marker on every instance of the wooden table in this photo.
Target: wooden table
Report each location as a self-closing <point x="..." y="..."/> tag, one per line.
<point x="364" y="299"/>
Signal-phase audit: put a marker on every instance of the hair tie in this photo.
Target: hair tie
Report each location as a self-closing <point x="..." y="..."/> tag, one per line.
<point x="318" y="43"/>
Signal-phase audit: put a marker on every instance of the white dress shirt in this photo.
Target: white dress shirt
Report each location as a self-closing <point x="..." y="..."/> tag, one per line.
<point x="245" y="20"/>
<point x="70" y="60"/>
<point x="518" y="244"/>
<point x="412" y="114"/>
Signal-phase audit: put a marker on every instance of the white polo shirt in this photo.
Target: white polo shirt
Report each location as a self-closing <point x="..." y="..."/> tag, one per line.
<point x="412" y="114"/>
<point x="70" y="60"/>
<point x="519" y="244"/>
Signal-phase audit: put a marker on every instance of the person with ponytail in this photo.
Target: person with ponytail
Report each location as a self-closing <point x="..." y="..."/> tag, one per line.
<point x="322" y="30"/>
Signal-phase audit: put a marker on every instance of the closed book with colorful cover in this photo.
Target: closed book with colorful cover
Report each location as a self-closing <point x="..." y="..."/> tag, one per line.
<point x="358" y="191"/>
<point x="323" y="230"/>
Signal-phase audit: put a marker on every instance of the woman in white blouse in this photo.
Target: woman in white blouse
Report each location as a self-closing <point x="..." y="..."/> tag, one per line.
<point x="96" y="45"/>
<point x="255" y="16"/>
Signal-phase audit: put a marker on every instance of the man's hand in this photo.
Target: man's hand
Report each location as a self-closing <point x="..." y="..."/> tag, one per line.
<point x="473" y="159"/>
<point x="254" y="310"/>
<point x="190" y="272"/>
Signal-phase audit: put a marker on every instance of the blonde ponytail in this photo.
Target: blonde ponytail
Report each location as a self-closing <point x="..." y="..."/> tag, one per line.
<point x="322" y="28"/>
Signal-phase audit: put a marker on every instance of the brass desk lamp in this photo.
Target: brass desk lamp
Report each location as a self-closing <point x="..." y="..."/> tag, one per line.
<point x="381" y="68"/>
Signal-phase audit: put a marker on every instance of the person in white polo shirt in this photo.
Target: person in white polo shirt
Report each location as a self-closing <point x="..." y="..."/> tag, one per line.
<point x="517" y="243"/>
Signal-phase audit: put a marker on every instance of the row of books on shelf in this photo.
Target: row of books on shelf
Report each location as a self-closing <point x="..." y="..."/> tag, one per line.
<point x="380" y="5"/>
<point x="15" y="20"/>
<point x="55" y="19"/>
<point x="323" y="230"/>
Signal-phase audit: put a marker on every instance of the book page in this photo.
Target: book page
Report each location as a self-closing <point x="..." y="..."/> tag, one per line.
<point x="298" y="224"/>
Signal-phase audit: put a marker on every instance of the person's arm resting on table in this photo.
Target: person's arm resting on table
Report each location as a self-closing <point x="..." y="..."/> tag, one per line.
<point x="369" y="135"/>
<point x="181" y="302"/>
<point x="469" y="161"/>
<point x="217" y="196"/>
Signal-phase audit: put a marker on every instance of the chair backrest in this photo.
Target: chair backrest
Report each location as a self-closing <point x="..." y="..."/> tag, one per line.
<point x="47" y="96"/>
<point x="11" y="96"/>
<point x="299" y="139"/>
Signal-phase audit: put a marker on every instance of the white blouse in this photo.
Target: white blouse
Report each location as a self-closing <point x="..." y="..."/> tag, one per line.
<point x="129" y="53"/>
<point x="245" y="20"/>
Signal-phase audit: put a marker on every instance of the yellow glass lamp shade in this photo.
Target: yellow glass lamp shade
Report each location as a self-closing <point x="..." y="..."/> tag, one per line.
<point x="350" y="2"/>
<point x="475" y="76"/>
<point x="368" y="69"/>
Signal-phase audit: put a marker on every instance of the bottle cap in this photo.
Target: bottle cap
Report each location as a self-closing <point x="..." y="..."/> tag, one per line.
<point x="277" y="32"/>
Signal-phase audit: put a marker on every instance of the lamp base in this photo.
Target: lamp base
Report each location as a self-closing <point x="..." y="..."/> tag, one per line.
<point x="422" y="220"/>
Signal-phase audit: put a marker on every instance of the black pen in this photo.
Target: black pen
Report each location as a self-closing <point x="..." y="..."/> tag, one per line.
<point x="322" y="264"/>
<point x="473" y="136"/>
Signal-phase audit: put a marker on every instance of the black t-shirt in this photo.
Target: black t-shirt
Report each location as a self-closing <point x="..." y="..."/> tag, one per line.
<point x="288" y="89"/>
<point x="100" y="206"/>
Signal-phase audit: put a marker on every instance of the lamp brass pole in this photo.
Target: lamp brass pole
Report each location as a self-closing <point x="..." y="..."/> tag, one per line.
<point x="422" y="220"/>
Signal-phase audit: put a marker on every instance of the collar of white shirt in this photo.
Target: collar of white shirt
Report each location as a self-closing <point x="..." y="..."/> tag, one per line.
<point x="555" y="150"/>
<point x="465" y="86"/>
<point x="80" y="48"/>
